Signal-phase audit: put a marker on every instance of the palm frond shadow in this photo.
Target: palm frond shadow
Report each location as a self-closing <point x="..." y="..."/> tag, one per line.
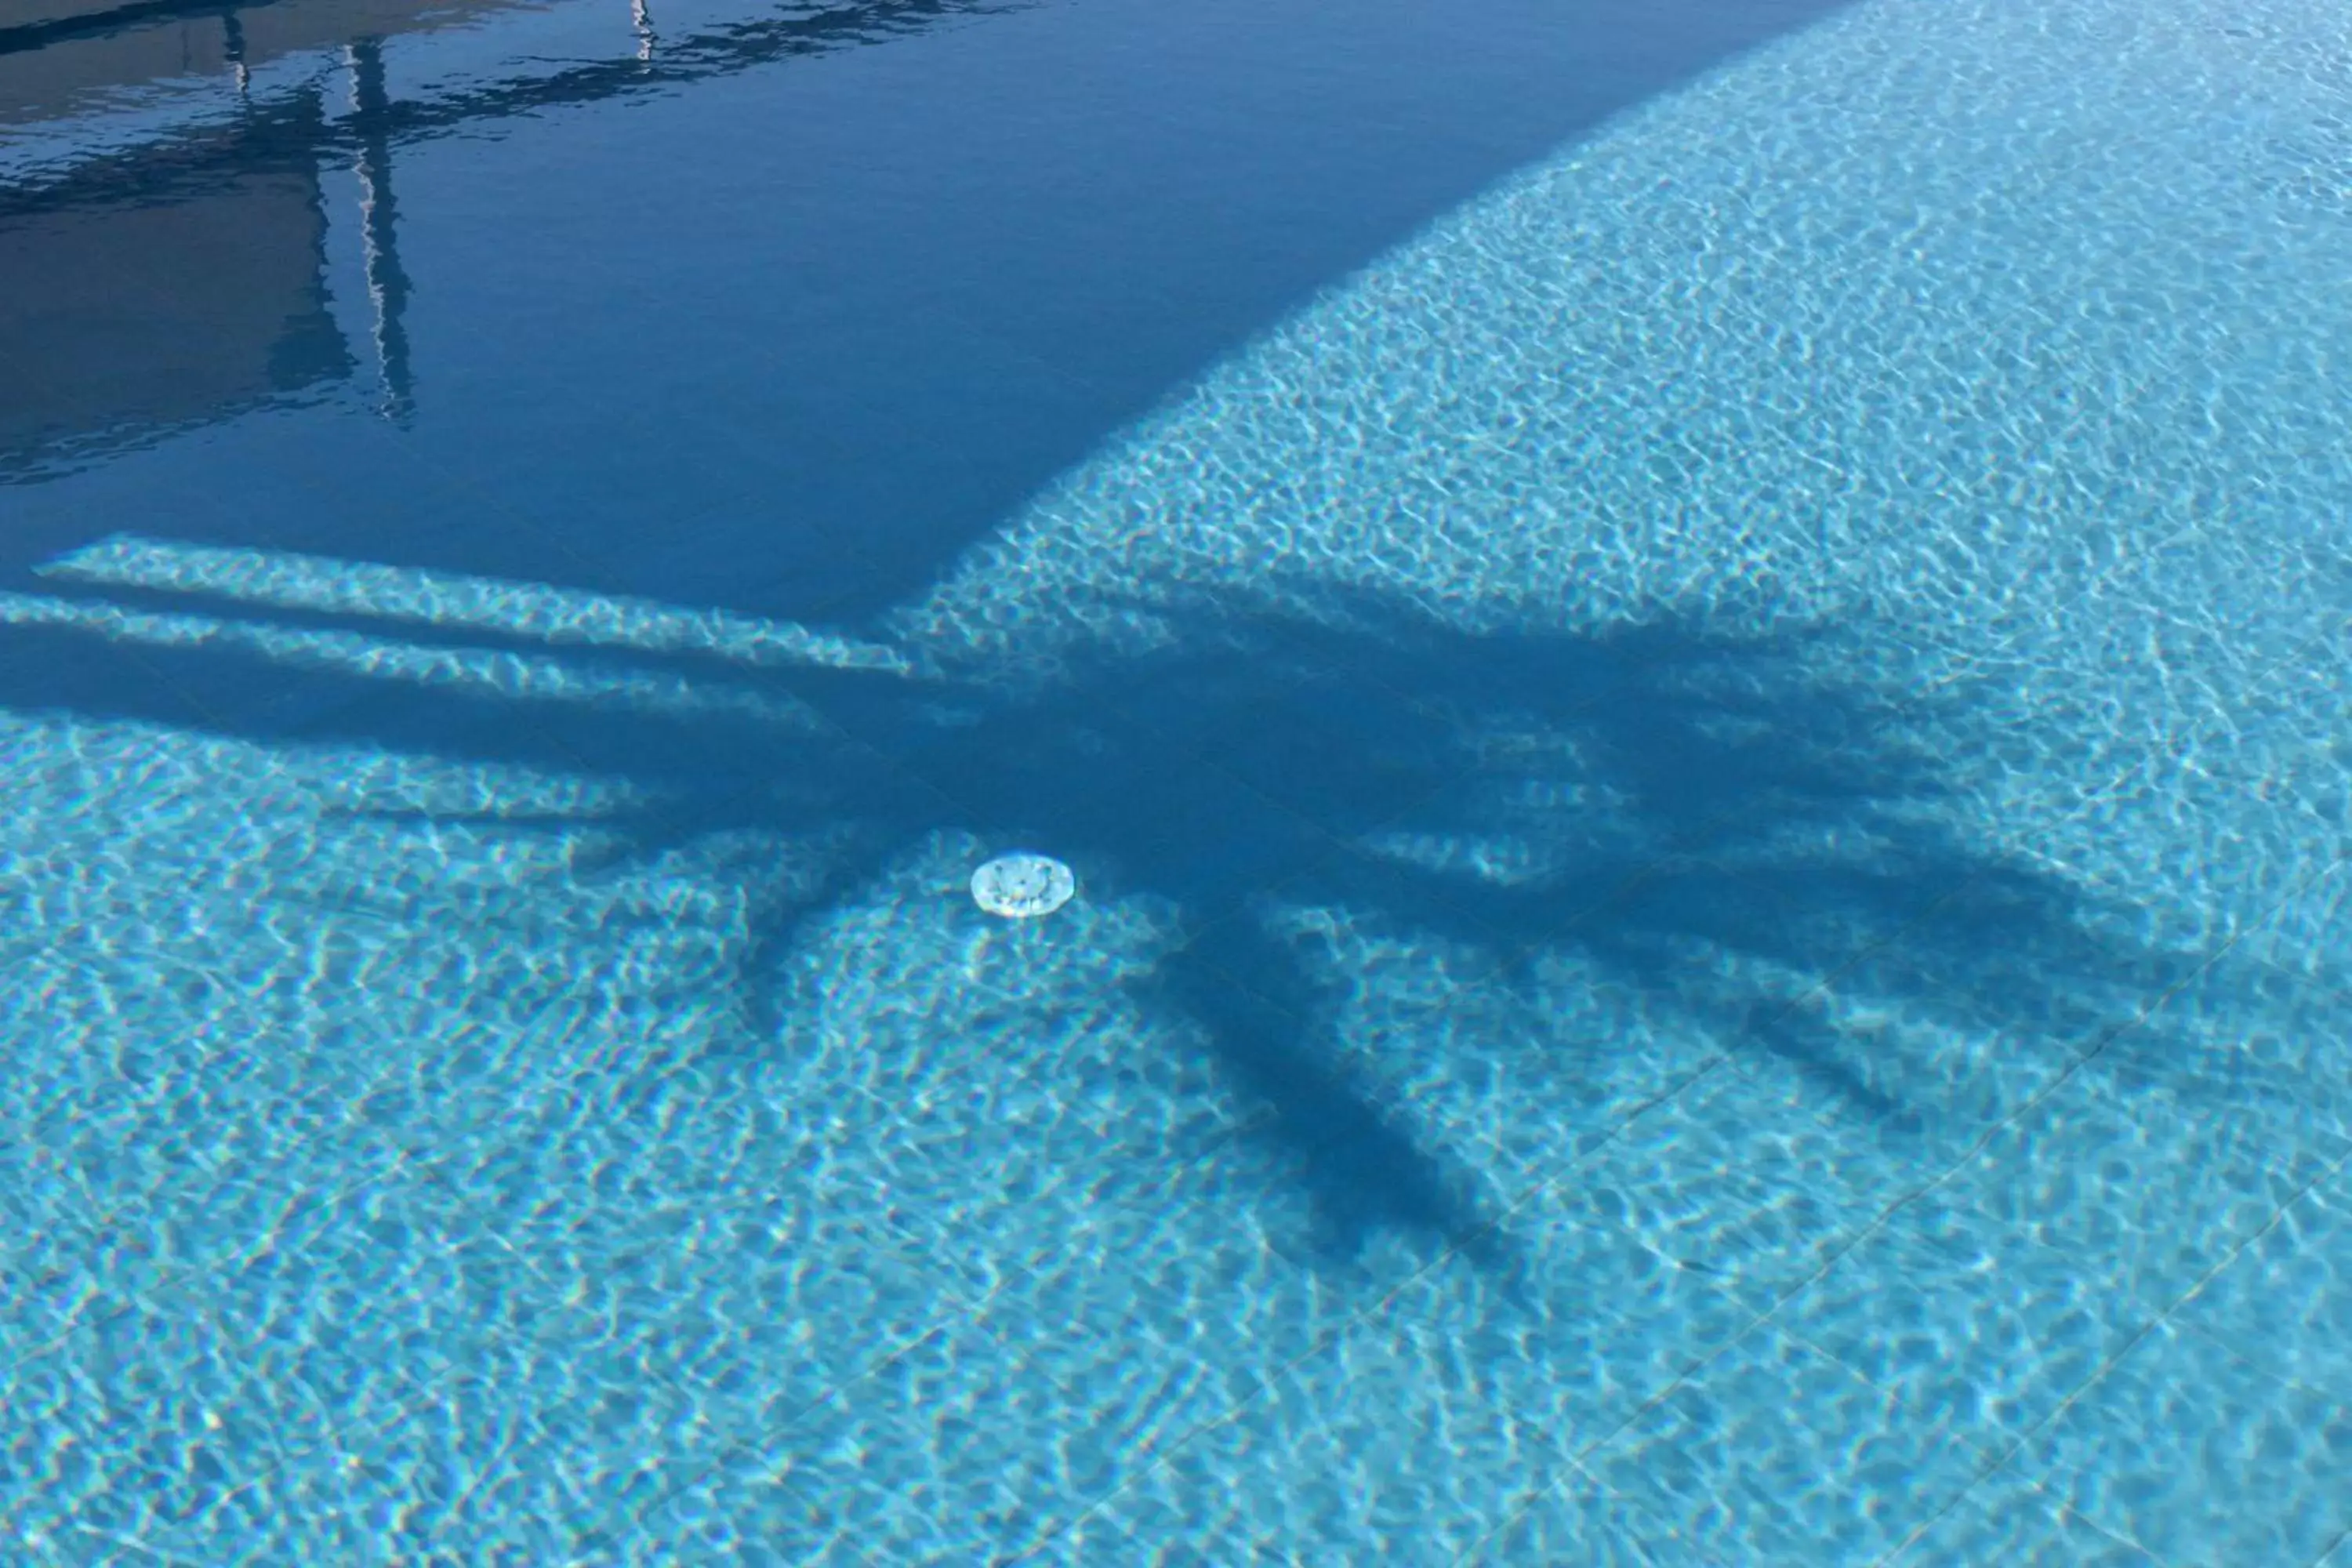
<point x="1691" y="812"/>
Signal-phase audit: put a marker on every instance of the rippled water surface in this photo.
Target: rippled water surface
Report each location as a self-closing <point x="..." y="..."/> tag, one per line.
<point x="1690" y="660"/>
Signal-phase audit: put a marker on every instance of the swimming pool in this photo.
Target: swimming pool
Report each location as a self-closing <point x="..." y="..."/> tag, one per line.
<point x="1691" y="670"/>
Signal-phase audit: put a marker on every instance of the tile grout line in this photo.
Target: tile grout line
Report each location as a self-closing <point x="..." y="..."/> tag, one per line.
<point x="1343" y="847"/>
<point x="971" y="1311"/>
<point x="1321" y="1345"/>
<point x="1309" y="1354"/>
<point x="1862" y="1235"/>
<point x="2163" y="998"/>
<point x="1694" y="1078"/>
<point x="2018" y="1441"/>
<point x="1702" y="1072"/>
<point x="169" y="1285"/>
<point x="2073" y="1067"/>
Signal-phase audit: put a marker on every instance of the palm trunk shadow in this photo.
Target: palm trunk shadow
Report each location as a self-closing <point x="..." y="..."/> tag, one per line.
<point x="1269" y="1028"/>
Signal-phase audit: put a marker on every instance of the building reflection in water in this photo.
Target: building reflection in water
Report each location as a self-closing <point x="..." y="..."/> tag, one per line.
<point x="178" y="283"/>
<point x="183" y="278"/>
<point x="387" y="285"/>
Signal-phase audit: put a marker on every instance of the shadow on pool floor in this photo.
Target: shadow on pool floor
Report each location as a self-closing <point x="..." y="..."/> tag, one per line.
<point x="1691" y="811"/>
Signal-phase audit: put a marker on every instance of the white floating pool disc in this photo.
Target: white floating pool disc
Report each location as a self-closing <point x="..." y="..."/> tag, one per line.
<point x="1021" y="887"/>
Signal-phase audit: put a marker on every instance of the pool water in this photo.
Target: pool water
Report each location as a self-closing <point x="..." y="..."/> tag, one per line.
<point x="1691" y="661"/>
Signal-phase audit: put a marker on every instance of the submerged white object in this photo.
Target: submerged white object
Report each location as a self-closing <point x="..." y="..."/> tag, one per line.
<point x="1022" y="886"/>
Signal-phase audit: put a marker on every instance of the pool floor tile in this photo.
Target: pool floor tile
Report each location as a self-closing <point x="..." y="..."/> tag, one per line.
<point x="173" y="1426"/>
<point x="2253" y="1042"/>
<point x="1380" y="893"/>
<point x="2284" y="1301"/>
<point x="1740" y="1185"/>
<point x="1564" y="1328"/>
<point x="1523" y="1076"/>
<point x="511" y="1460"/>
<point x="1592" y="1300"/>
<point x="1985" y="1329"/>
<point x="2004" y="1519"/>
<point x="2147" y="1193"/>
<point x="953" y="1450"/>
<point x="745" y="1306"/>
<point x="1921" y="1073"/>
<point x="1577" y="1521"/>
<point x="1773" y="1453"/>
<point x="1397" y="1432"/>
<point x="2199" y="1457"/>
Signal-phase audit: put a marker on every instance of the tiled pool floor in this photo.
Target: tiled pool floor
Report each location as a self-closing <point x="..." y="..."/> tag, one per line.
<point x="411" y="1195"/>
<point x="1701" y="731"/>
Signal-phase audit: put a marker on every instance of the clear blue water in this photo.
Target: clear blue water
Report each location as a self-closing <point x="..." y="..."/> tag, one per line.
<point x="1692" y="658"/>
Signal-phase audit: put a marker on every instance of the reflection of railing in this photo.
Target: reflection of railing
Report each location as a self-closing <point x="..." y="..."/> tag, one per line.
<point x="690" y="57"/>
<point x="687" y="57"/>
<point x="27" y="37"/>
<point x="387" y="285"/>
<point x="287" y="138"/>
<point x="130" y="74"/>
<point x="155" y="310"/>
<point x="169" y="165"/>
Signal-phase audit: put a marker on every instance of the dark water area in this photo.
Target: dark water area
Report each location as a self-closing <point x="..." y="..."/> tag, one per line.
<point x="772" y="309"/>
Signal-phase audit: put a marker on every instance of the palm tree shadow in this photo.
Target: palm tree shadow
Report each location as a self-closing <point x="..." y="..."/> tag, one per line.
<point x="1667" y="803"/>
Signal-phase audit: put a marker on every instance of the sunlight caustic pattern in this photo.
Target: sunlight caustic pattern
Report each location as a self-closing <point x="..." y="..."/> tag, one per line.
<point x="1955" y="331"/>
<point x="1797" y="1018"/>
<point x="1957" y="326"/>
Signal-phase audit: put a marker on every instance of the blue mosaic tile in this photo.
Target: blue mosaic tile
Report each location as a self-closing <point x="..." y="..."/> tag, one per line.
<point x="2196" y="1455"/>
<point x="2002" y="1519"/>
<point x="1976" y="1325"/>
<point x="1772" y="1452"/>
<point x="2284" y="1301"/>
